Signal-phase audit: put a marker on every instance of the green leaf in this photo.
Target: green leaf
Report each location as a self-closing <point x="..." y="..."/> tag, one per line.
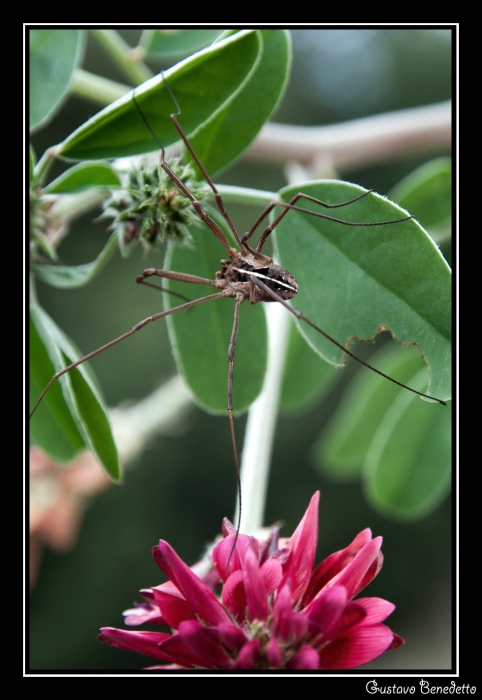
<point x="306" y="376"/>
<point x="401" y="446"/>
<point x="427" y="194"/>
<point x="52" y="427"/>
<point x="341" y="449"/>
<point x="407" y="469"/>
<point x="200" y="336"/>
<point x="357" y="281"/>
<point x="69" y="276"/>
<point x="54" y="54"/>
<point x="165" y="43"/>
<point x="31" y="161"/>
<point x="72" y="402"/>
<point x="82" y="177"/>
<point x="230" y="131"/>
<point x="201" y="84"/>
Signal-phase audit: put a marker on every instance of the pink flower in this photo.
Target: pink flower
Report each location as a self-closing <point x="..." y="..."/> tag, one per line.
<point x="274" y="611"/>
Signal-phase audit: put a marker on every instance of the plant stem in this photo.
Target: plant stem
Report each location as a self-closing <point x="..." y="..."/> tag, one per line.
<point x="119" y="50"/>
<point x="261" y="425"/>
<point x="356" y="143"/>
<point x="157" y="413"/>
<point x="96" y="88"/>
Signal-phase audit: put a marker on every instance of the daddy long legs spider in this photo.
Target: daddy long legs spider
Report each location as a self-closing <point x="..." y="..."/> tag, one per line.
<point x="246" y="274"/>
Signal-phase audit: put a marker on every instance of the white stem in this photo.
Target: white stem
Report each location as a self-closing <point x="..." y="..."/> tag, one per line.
<point x="357" y="143"/>
<point x="158" y="413"/>
<point x="261" y="425"/>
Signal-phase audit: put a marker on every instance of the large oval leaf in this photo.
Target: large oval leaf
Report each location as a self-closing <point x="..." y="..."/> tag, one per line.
<point x="306" y="377"/>
<point x="52" y="427"/>
<point x="72" y="402"/>
<point x="166" y="43"/>
<point x="71" y="276"/>
<point x="54" y="54"/>
<point x="343" y="445"/>
<point x="201" y="84"/>
<point x="230" y="131"/>
<point x="407" y="469"/>
<point x="82" y="177"/>
<point x="427" y="194"/>
<point x="200" y="336"/>
<point x="356" y="281"/>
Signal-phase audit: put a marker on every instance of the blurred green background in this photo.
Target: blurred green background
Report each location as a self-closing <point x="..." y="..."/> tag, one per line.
<point x="182" y="485"/>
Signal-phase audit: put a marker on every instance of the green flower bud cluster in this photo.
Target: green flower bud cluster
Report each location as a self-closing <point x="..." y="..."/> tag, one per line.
<point x="151" y="208"/>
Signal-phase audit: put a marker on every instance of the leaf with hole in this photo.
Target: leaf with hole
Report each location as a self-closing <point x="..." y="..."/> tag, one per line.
<point x="356" y="281"/>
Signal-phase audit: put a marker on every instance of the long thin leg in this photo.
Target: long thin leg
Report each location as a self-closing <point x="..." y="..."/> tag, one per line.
<point x="199" y="210"/>
<point x="232" y="343"/>
<point x="195" y="203"/>
<point x="133" y="330"/>
<point x="207" y="177"/>
<point x="287" y="207"/>
<point x="271" y="206"/>
<point x="163" y="289"/>
<point x="201" y="167"/>
<point x="299" y="315"/>
<point x="172" y="275"/>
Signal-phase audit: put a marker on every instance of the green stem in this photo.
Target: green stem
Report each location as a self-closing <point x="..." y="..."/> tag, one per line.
<point x="246" y="195"/>
<point x="96" y="88"/>
<point x="42" y="167"/>
<point x="119" y="50"/>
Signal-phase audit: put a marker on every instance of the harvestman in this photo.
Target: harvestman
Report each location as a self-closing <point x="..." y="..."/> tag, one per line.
<point x="248" y="274"/>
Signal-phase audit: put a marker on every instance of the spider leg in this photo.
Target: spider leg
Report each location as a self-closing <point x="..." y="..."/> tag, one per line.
<point x="232" y="343"/>
<point x="133" y="330"/>
<point x="172" y="275"/>
<point x="299" y="315"/>
<point x="195" y="203"/>
<point x="291" y="205"/>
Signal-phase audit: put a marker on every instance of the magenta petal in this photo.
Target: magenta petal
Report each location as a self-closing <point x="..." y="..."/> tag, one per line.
<point x="287" y="626"/>
<point x="282" y="604"/>
<point x="327" y="608"/>
<point x="256" y="596"/>
<point x="336" y="562"/>
<point x="370" y="574"/>
<point x="302" y="545"/>
<point x="355" y="571"/>
<point x="272" y="573"/>
<point x="305" y="659"/>
<point x="397" y="641"/>
<point x="232" y="638"/>
<point x="269" y="546"/>
<point x="234" y="596"/>
<point x="377" y="609"/>
<point x="142" y="642"/>
<point x="205" y="643"/>
<point x="292" y="628"/>
<point x="174" y="608"/>
<point x="274" y="653"/>
<point x="249" y="656"/>
<point x="222" y="552"/>
<point x="361" y="646"/>
<point x="353" y="614"/>
<point x="202" y="599"/>
<point x="143" y="613"/>
<point x="175" y="651"/>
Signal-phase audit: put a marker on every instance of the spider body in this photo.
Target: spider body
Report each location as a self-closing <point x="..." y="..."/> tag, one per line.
<point x="239" y="276"/>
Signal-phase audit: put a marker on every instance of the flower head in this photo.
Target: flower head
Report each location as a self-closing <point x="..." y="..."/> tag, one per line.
<point x="274" y="610"/>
